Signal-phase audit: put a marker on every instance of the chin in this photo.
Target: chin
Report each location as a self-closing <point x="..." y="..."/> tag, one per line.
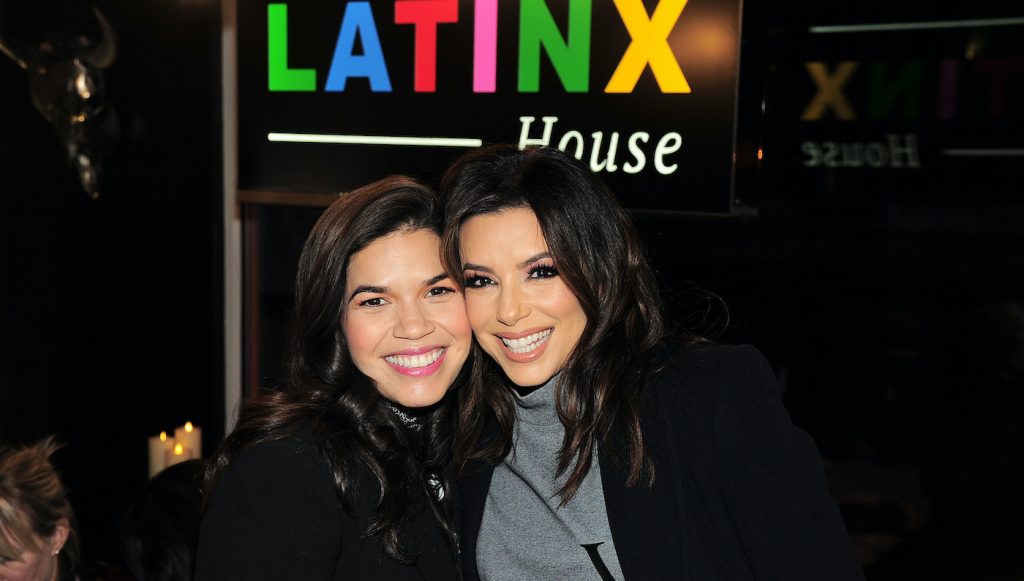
<point x="420" y="399"/>
<point x="532" y="378"/>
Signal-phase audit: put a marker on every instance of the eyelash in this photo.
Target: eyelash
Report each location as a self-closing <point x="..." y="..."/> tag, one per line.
<point x="537" y="271"/>
<point x="543" y="271"/>
<point x="477" y="281"/>
<point x="433" y="292"/>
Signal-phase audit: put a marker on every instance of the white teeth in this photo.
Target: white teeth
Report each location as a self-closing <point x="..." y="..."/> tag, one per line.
<point x="528" y="343"/>
<point x="414" y="361"/>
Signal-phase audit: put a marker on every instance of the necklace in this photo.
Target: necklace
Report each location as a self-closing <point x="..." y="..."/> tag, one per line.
<point x="410" y="421"/>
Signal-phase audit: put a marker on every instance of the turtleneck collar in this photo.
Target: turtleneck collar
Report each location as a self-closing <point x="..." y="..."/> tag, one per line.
<point x="538" y="407"/>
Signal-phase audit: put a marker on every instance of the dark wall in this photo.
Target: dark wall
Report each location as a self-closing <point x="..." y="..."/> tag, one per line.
<point x="110" y="319"/>
<point x="890" y="299"/>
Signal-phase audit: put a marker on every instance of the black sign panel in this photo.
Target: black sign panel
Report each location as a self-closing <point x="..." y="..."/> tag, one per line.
<point x="873" y="108"/>
<point x="334" y="94"/>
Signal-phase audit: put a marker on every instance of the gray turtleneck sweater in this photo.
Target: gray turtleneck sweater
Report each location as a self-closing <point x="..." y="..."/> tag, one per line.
<point x="525" y="534"/>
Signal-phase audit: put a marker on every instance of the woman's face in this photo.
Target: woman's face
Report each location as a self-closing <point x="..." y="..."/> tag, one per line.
<point x="522" y="313"/>
<point x="404" y="319"/>
<point x="29" y="566"/>
<point x="36" y="565"/>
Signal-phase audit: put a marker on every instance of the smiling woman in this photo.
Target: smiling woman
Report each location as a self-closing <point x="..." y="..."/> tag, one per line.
<point x="405" y="321"/>
<point x="591" y="446"/>
<point x="525" y="316"/>
<point x="342" y="473"/>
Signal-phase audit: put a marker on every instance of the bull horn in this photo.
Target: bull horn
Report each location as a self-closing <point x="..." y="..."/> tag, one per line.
<point x="102" y="56"/>
<point x="9" y="51"/>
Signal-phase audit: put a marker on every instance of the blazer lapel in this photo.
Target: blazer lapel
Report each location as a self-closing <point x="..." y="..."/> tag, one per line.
<point x="473" y="486"/>
<point x="645" y="521"/>
<point x="427" y="540"/>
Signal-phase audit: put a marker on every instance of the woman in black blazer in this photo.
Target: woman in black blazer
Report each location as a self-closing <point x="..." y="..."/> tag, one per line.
<point x="341" y="475"/>
<point x="589" y="445"/>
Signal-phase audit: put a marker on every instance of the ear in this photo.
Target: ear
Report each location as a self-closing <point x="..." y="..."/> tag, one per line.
<point x="59" y="536"/>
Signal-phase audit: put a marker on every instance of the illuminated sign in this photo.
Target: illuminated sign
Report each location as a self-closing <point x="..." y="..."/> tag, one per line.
<point x="537" y="29"/>
<point x="333" y="94"/>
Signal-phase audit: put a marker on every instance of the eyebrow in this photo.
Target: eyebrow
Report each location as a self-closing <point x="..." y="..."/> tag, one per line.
<point x="435" y="279"/>
<point x="384" y="290"/>
<point x="523" y="264"/>
<point x="368" y="289"/>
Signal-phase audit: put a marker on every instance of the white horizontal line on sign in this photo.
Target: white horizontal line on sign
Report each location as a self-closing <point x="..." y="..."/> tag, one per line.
<point x="375" y="140"/>
<point x="935" y="24"/>
<point x="984" y="152"/>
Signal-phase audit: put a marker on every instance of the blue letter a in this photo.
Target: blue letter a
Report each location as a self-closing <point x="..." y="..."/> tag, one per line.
<point x="358" y="18"/>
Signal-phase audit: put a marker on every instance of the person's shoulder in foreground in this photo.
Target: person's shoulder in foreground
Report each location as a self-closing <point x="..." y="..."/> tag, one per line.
<point x="689" y="373"/>
<point x="767" y="472"/>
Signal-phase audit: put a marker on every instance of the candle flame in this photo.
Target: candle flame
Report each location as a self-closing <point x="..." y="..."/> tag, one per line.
<point x="188" y="426"/>
<point x="179" y="450"/>
<point x="163" y="436"/>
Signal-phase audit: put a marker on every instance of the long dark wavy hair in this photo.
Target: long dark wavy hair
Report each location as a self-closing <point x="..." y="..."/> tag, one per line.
<point x="597" y="252"/>
<point x="325" y="392"/>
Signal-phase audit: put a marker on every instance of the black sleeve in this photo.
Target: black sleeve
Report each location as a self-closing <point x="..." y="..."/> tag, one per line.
<point x="273" y="515"/>
<point x="771" y="471"/>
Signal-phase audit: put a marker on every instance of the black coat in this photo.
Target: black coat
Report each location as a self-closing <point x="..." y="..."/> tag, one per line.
<point x="275" y="515"/>
<point x="739" y="491"/>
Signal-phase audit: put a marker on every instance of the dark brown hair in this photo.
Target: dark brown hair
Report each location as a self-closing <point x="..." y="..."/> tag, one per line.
<point x="325" y="392"/>
<point x="33" y="503"/>
<point x="597" y="252"/>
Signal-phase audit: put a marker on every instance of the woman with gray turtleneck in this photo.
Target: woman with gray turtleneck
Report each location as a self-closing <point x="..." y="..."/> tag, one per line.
<point x="590" y="446"/>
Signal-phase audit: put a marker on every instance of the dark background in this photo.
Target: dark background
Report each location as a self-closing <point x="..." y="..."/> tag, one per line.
<point x="891" y="305"/>
<point x="110" y="318"/>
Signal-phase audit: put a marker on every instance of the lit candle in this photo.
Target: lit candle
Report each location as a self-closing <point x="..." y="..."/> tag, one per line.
<point x="191" y="437"/>
<point x="158" y="447"/>
<point x="179" y="453"/>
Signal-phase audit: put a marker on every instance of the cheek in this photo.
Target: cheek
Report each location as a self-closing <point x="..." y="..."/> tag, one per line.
<point x="478" y="311"/>
<point x="462" y="329"/>
<point x="360" y="335"/>
<point x="452" y="316"/>
<point x="566" y="306"/>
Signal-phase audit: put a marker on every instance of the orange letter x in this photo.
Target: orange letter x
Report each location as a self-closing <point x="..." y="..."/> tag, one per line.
<point x="830" y="91"/>
<point x="649" y="45"/>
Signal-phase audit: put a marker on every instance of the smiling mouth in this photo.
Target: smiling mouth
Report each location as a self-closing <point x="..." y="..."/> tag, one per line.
<point x="414" y="362"/>
<point x="527" y="344"/>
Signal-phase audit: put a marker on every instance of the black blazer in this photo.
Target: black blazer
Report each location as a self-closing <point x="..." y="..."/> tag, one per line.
<point x="275" y="515"/>
<point x="739" y="491"/>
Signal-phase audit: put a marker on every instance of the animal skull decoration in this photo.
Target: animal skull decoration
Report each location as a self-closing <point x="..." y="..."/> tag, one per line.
<point x="65" y="76"/>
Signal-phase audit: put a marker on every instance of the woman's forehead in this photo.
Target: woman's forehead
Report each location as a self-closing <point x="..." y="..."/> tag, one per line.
<point x="511" y="235"/>
<point x="15" y="542"/>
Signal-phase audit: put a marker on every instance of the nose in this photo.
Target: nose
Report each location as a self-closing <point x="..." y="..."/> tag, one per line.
<point x="412" y="323"/>
<point x="511" y="307"/>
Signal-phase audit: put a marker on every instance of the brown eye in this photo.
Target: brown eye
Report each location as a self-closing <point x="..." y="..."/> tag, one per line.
<point x="477" y="281"/>
<point x="543" y="271"/>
